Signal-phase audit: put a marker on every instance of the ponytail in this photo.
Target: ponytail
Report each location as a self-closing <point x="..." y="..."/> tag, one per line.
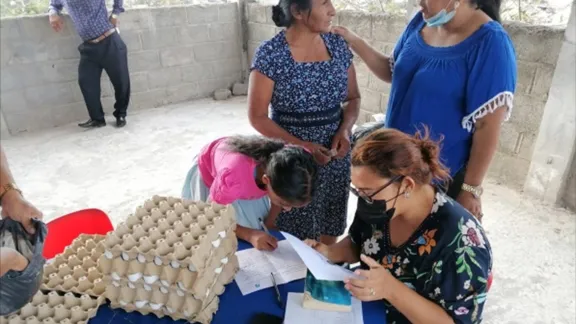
<point x="490" y="8"/>
<point x="257" y="147"/>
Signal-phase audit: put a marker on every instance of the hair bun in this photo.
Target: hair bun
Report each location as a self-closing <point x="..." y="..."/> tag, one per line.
<point x="278" y="16"/>
<point x="430" y="151"/>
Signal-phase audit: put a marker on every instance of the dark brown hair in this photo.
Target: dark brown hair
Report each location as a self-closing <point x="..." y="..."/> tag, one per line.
<point x="391" y="152"/>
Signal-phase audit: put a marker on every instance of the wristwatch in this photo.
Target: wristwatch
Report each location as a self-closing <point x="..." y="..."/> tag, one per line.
<point x="114" y="16"/>
<point x="7" y="187"/>
<point x="476" y="191"/>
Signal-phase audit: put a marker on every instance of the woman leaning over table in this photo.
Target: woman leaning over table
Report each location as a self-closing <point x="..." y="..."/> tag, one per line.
<point x="420" y="251"/>
<point x="258" y="176"/>
<point x="454" y="70"/>
<point x="305" y="74"/>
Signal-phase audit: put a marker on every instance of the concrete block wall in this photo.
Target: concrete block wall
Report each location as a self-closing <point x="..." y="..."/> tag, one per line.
<point x="175" y="54"/>
<point x="537" y="50"/>
<point x="552" y="174"/>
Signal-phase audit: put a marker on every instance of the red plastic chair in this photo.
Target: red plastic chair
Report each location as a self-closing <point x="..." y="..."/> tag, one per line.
<point x="490" y="279"/>
<point x="63" y="230"/>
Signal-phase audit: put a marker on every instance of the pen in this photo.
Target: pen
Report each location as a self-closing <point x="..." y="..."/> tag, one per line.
<point x="278" y="297"/>
<point x="264" y="227"/>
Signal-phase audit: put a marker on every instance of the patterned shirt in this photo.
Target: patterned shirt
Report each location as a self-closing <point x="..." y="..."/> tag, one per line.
<point x="447" y="260"/>
<point x="90" y="17"/>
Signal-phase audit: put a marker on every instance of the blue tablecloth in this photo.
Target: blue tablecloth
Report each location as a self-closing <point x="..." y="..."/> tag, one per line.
<point x="235" y="308"/>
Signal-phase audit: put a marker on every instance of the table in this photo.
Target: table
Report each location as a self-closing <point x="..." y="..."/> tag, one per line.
<point x="235" y="308"/>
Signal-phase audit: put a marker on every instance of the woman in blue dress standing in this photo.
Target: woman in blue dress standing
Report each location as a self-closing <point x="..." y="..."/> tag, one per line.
<point x="454" y="70"/>
<point x="306" y="76"/>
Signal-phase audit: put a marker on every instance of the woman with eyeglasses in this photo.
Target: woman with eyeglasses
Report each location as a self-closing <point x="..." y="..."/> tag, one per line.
<point x="421" y="252"/>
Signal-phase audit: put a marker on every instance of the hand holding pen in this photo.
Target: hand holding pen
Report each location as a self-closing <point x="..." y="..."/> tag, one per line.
<point x="262" y="240"/>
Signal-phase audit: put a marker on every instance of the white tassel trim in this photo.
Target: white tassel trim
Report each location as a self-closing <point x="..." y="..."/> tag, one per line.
<point x="503" y="99"/>
<point x="391" y="62"/>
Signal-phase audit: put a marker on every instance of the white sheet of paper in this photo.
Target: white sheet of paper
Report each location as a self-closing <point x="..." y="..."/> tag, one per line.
<point x="320" y="267"/>
<point x="296" y="314"/>
<point x="256" y="267"/>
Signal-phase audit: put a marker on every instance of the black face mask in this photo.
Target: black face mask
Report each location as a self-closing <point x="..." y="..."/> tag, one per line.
<point x="376" y="212"/>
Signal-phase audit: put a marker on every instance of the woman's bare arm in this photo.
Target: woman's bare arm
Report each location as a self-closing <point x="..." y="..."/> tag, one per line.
<point x="259" y="96"/>
<point x="377" y="62"/>
<point x="344" y="251"/>
<point x="484" y="145"/>
<point x="352" y="103"/>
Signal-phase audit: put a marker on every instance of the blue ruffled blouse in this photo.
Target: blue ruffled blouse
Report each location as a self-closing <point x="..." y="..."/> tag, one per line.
<point x="449" y="88"/>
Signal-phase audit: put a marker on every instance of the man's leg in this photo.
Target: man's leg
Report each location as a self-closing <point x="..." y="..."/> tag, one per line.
<point x="89" y="75"/>
<point x="116" y="66"/>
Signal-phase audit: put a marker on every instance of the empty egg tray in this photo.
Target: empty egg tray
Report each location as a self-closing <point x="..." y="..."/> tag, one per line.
<point x="170" y="231"/>
<point x="76" y="269"/>
<point x="134" y="272"/>
<point x="54" y="308"/>
<point x="173" y="302"/>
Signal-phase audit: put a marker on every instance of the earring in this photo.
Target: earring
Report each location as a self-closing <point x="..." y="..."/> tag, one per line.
<point x="407" y="194"/>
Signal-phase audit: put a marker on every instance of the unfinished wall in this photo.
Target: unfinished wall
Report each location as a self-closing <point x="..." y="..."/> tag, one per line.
<point x="175" y="54"/>
<point x="537" y="49"/>
<point x="552" y="174"/>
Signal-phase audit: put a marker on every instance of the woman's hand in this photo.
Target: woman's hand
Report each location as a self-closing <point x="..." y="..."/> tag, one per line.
<point x="263" y="241"/>
<point x="320" y="247"/>
<point x="14" y="206"/>
<point x="321" y="154"/>
<point x="11" y="259"/>
<point x="325" y="250"/>
<point x="471" y="203"/>
<point x="341" y="143"/>
<point x="374" y="284"/>
<point x="348" y="35"/>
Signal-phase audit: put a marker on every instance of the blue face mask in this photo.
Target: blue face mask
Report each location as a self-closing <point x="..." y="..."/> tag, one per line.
<point x="441" y="18"/>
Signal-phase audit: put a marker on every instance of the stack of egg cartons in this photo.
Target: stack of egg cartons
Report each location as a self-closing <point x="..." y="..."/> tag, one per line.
<point x="171" y="258"/>
<point x="55" y="308"/>
<point x="76" y="269"/>
<point x="72" y="287"/>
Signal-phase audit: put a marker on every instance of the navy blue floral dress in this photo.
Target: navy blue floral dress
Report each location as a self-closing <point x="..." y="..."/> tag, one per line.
<point x="307" y="102"/>
<point x="447" y="260"/>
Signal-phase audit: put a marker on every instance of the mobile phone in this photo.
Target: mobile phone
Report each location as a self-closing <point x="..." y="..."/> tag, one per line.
<point x="264" y="318"/>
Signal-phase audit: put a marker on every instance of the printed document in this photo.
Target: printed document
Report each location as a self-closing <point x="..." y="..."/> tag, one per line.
<point x="317" y="263"/>
<point x="296" y="314"/>
<point x="256" y="268"/>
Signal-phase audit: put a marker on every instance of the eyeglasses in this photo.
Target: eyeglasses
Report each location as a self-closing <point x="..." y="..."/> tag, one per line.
<point x="369" y="198"/>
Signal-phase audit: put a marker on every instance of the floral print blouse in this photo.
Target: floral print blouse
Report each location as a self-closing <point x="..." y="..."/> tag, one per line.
<point x="446" y="260"/>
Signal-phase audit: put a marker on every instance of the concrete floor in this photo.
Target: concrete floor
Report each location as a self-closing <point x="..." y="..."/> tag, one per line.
<point x="67" y="169"/>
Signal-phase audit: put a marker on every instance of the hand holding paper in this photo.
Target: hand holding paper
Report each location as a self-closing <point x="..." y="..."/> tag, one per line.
<point x="317" y="263"/>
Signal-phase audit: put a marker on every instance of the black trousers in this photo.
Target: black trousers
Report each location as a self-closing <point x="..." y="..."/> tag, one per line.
<point x="110" y="55"/>
<point x="455" y="185"/>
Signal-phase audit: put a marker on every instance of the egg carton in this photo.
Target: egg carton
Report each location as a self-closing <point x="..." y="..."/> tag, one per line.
<point x="221" y="276"/>
<point x="55" y="308"/>
<point x="173" y="302"/>
<point x="133" y="271"/>
<point x="171" y="231"/>
<point x="76" y="269"/>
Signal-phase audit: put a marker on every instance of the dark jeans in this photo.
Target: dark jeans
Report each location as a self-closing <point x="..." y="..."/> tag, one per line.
<point x="455" y="185"/>
<point x="111" y="55"/>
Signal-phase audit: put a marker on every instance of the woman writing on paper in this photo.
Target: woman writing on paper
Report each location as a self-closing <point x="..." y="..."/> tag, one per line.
<point x="421" y="252"/>
<point x="259" y="176"/>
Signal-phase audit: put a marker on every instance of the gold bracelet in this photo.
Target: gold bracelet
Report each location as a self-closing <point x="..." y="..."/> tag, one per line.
<point x="6" y="188"/>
